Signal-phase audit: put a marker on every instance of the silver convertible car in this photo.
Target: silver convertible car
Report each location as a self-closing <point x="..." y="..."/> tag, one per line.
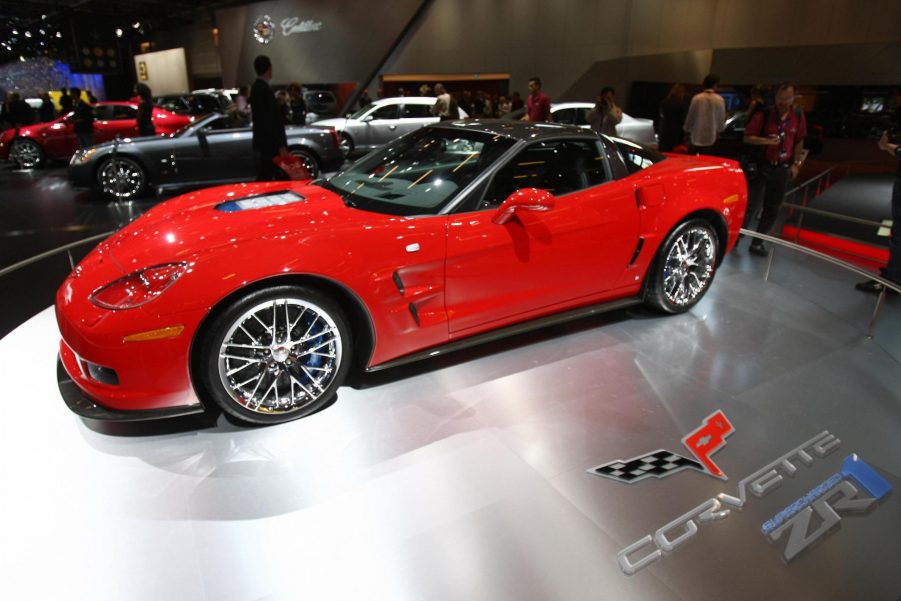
<point x="383" y="121"/>
<point x="208" y="151"/>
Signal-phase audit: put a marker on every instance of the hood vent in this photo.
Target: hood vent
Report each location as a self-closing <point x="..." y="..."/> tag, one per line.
<point x="261" y="201"/>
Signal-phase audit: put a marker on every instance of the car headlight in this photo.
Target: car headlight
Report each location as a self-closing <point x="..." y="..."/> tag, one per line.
<point x="86" y="154"/>
<point x="138" y="288"/>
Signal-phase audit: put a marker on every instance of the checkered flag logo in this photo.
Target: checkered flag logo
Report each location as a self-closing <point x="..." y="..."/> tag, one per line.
<point x="657" y="464"/>
<point x="703" y="442"/>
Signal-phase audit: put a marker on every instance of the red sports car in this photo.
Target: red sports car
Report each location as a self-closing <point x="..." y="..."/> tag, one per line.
<point x="30" y="146"/>
<point x="259" y="298"/>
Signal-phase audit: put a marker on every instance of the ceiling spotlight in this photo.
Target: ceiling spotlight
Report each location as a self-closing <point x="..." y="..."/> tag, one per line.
<point x="43" y="17"/>
<point x="21" y="58"/>
<point x="119" y="32"/>
<point x="27" y="34"/>
<point x="136" y="24"/>
<point x="43" y="32"/>
<point x="15" y="32"/>
<point x="59" y="35"/>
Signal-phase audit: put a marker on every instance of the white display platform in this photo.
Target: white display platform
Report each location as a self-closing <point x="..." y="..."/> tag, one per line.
<point x="465" y="478"/>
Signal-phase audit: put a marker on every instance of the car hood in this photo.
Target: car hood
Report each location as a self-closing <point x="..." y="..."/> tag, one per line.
<point x="135" y="142"/>
<point x="338" y="123"/>
<point x="630" y="120"/>
<point x="29" y="131"/>
<point x="186" y="227"/>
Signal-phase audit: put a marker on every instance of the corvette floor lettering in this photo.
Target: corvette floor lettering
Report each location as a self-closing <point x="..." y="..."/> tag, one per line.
<point x="837" y="494"/>
<point x="647" y="550"/>
<point x="703" y="443"/>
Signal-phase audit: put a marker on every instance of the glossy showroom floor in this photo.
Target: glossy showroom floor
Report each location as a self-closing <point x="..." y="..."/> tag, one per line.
<point x="467" y="478"/>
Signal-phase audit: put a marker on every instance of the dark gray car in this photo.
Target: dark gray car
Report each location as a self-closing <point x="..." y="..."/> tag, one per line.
<point x="208" y="151"/>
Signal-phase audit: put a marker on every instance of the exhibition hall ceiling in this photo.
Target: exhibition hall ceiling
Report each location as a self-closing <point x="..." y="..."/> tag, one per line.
<point x="158" y="14"/>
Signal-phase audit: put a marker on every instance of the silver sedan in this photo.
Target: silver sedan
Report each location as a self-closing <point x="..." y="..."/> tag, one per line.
<point x="383" y="121"/>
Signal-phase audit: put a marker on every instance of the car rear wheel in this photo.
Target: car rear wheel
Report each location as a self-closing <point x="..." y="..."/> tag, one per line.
<point x="27" y="154"/>
<point x="684" y="267"/>
<point x="276" y="355"/>
<point x="308" y="160"/>
<point x="346" y="144"/>
<point x="121" y="177"/>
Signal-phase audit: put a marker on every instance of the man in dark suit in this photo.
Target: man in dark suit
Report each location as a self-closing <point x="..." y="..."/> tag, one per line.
<point x="269" y="139"/>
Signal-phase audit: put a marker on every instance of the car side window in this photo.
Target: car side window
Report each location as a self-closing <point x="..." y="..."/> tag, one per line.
<point x="558" y="166"/>
<point x="101" y="113"/>
<point x="614" y="160"/>
<point x="385" y="112"/>
<point x="121" y="112"/>
<point x="564" y="116"/>
<point x="581" y="116"/>
<point x="218" y="124"/>
<point x="416" y="111"/>
<point x="638" y="157"/>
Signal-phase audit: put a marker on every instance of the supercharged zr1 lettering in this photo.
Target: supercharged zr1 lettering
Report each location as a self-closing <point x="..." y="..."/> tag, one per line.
<point x="647" y="550"/>
<point x="837" y="494"/>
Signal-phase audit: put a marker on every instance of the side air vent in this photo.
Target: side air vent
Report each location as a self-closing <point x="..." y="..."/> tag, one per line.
<point x="637" y="251"/>
<point x="398" y="282"/>
<point x="414" y="313"/>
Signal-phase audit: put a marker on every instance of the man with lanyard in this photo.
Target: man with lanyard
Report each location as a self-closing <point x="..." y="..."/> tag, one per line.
<point x="538" y="104"/>
<point x="780" y="130"/>
<point x="892" y="270"/>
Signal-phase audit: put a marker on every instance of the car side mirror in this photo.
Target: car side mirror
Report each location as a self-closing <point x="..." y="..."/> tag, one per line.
<point x="526" y="199"/>
<point x="367" y="118"/>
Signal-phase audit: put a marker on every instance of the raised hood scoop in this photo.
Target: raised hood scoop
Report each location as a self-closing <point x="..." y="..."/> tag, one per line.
<point x="261" y="201"/>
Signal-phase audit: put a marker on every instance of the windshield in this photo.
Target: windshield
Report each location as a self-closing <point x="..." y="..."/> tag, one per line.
<point x="359" y="114"/>
<point x="420" y="173"/>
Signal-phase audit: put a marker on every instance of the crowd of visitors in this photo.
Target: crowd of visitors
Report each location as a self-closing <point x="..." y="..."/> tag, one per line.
<point x="772" y="142"/>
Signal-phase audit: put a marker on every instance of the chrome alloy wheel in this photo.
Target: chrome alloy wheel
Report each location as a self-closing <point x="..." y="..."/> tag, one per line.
<point x="121" y="178"/>
<point x="308" y="161"/>
<point x="689" y="266"/>
<point x="280" y="356"/>
<point x="346" y="144"/>
<point x="26" y="153"/>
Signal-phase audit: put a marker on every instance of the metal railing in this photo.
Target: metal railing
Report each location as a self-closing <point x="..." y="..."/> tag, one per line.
<point x="880" y="301"/>
<point x="67" y="248"/>
<point x="822" y="181"/>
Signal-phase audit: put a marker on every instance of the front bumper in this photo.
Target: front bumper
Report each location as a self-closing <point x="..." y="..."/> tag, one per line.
<point x="79" y="403"/>
<point x="81" y="174"/>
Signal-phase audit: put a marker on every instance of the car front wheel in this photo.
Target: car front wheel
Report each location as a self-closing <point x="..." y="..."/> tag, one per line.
<point x="276" y="355"/>
<point x="309" y="161"/>
<point x="346" y="144"/>
<point x="27" y="154"/>
<point x="121" y="177"/>
<point x="684" y="267"/>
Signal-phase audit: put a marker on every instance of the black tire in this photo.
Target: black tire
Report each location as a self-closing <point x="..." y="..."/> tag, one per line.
<point x="27" y="154"/>
<point x="684" y="267"/>
<point x="346" y="144"/>
<point x="122" y="178"/>
<point x="309" y="161"/>
<point x="277" y="381"/>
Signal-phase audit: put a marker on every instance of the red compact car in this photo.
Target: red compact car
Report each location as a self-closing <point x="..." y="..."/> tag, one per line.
<point x="259" y="298"/>
<point x="30" y="146"/>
